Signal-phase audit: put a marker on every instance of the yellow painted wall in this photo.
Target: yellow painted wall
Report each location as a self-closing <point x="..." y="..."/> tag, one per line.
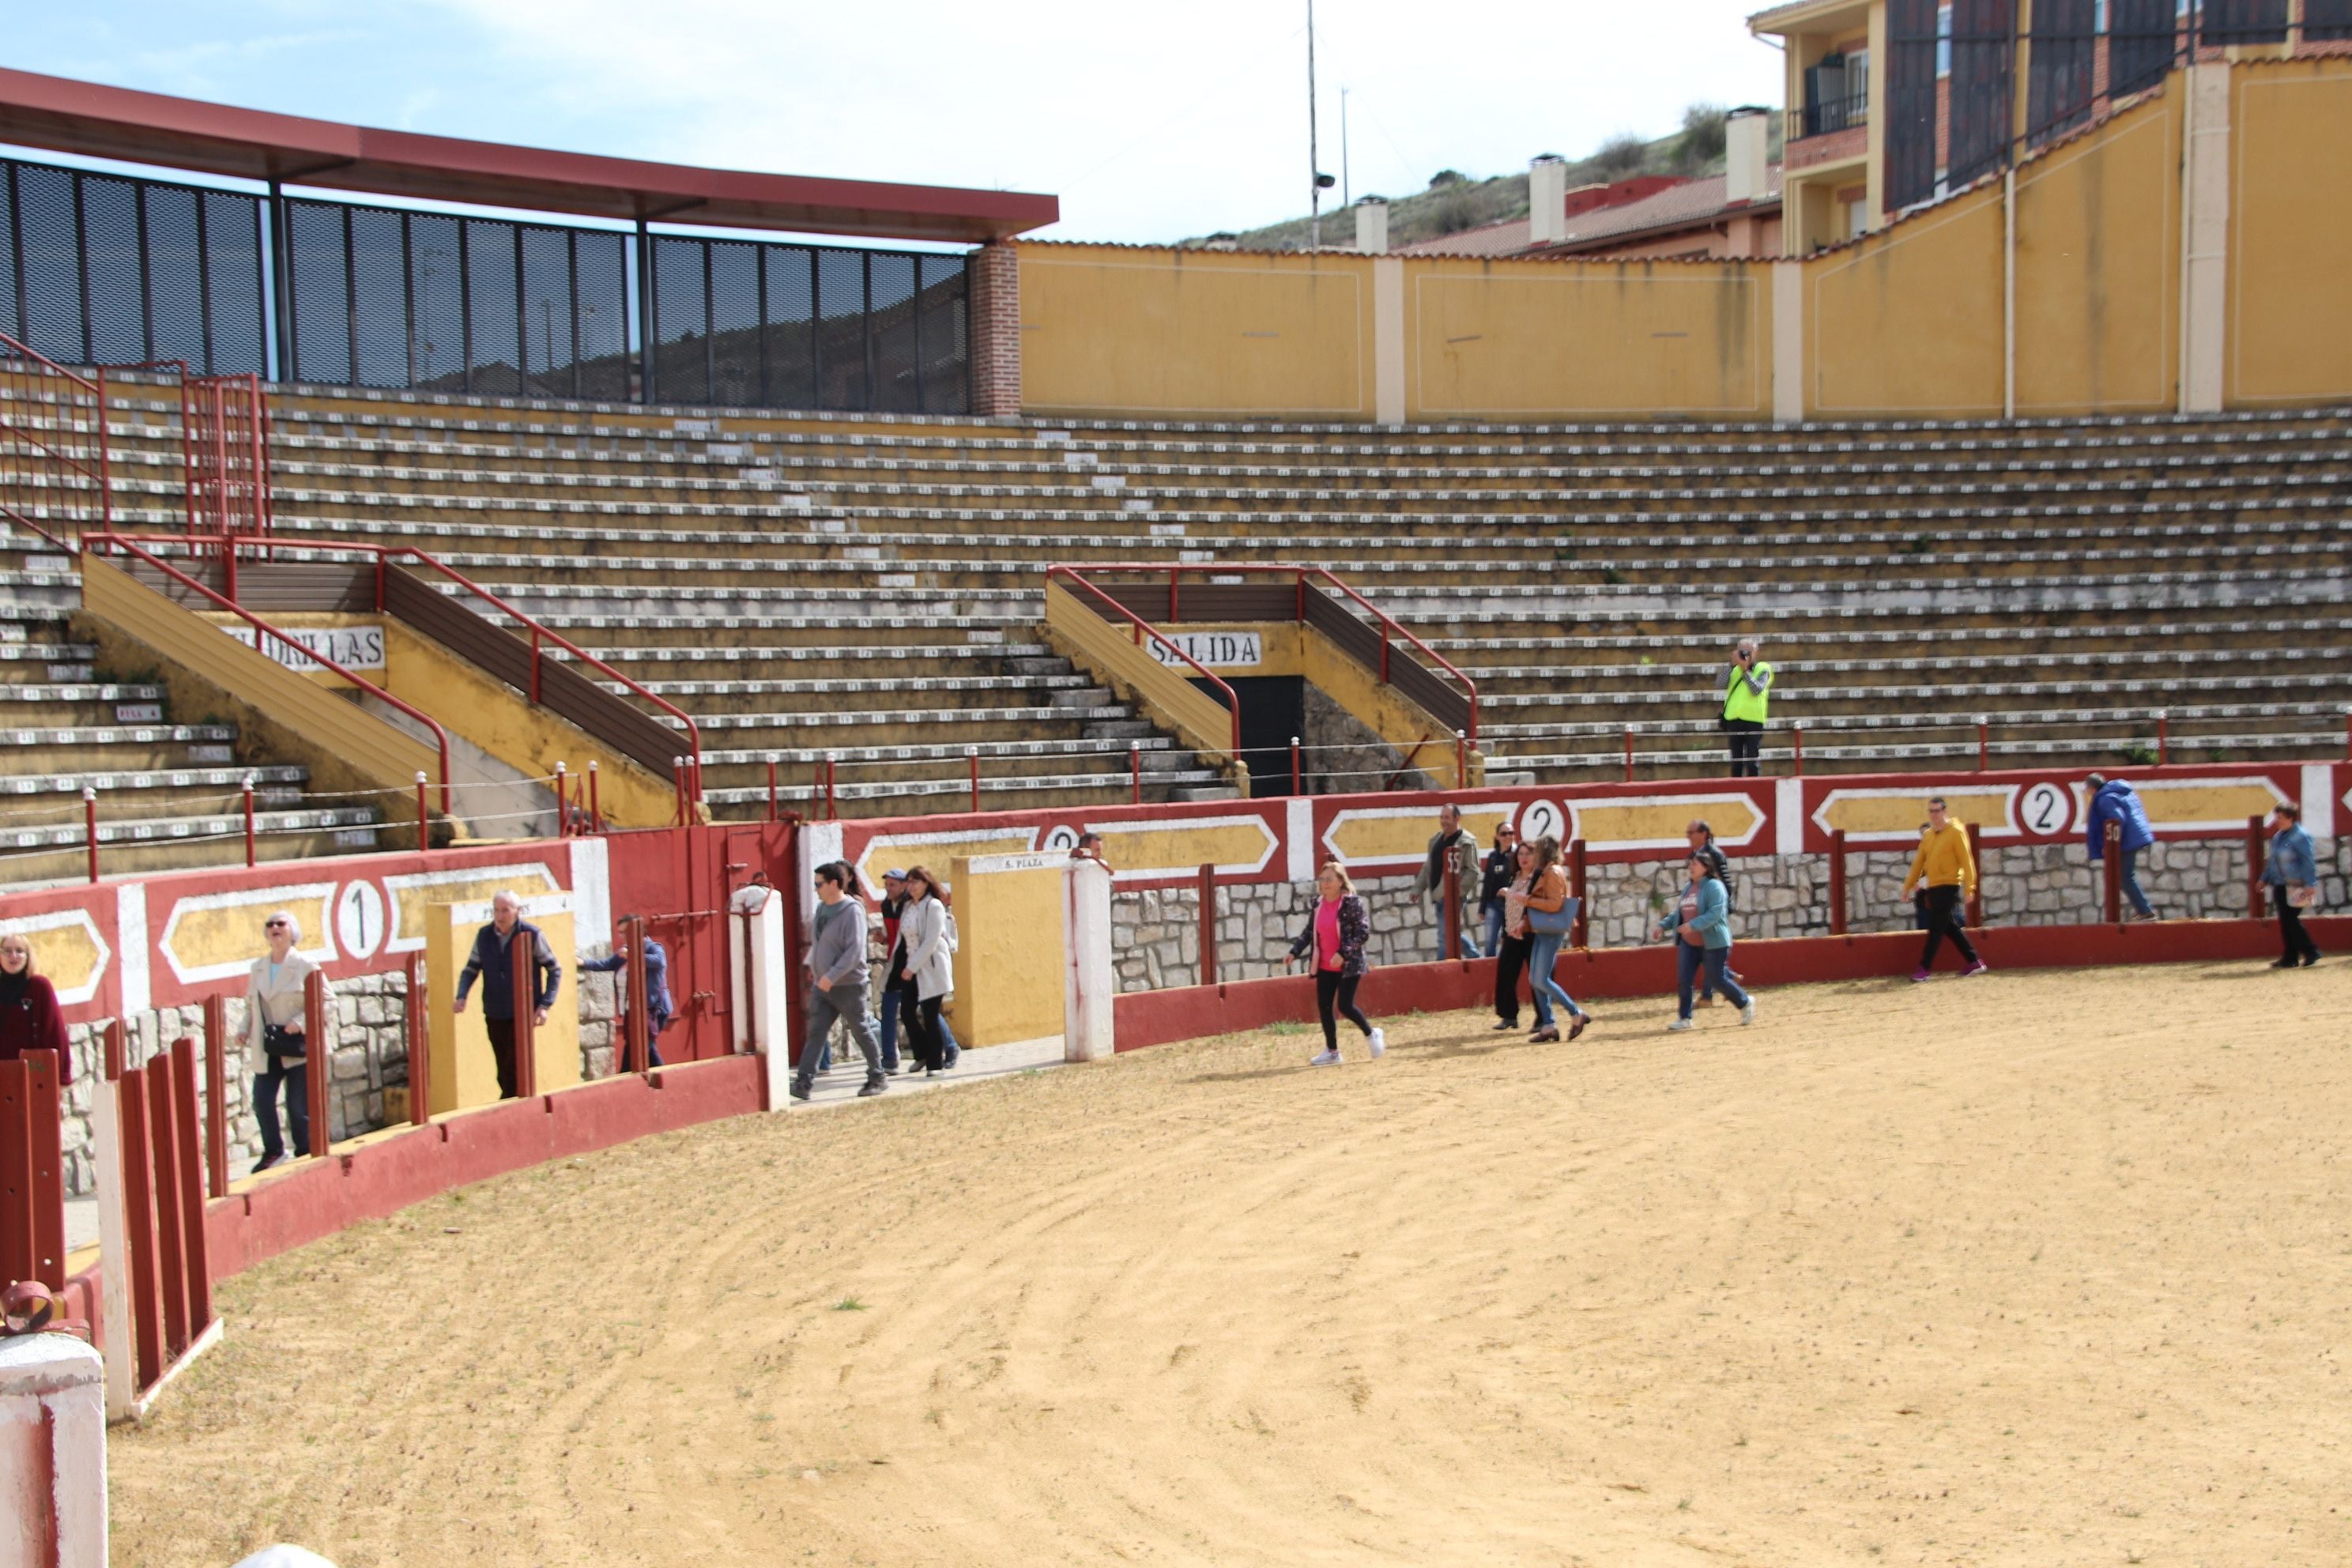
<point x="1908" y="321"/>
<point x="1110" y="329"/>
<point x="1559" y="339"/>
<point x="1008" y="967"/>
<point x="2290" y="313"/>
<point x="2098" y="268"/>
<point x="464" y="1073"/>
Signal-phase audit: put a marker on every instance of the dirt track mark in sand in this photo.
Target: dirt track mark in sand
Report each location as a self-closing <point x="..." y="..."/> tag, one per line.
<point x="2034" y="1269"/>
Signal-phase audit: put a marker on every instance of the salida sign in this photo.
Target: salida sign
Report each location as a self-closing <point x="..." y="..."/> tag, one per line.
<point x="1218" y="650"/>
<point x="354" y="647"/>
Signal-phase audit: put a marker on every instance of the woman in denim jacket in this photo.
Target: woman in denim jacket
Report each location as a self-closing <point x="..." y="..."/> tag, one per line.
<point x="1701" y="920"/>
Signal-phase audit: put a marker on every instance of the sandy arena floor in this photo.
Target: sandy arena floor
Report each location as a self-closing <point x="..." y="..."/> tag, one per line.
<point x="2035" y="1269"/>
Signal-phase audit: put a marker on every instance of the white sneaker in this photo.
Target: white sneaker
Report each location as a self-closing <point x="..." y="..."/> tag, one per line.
<point x="1324" y="1059"/>
<point x="1748" y="1014"/>
<point x="1678" y="1026"/>
<point x="1379" y="1043"/>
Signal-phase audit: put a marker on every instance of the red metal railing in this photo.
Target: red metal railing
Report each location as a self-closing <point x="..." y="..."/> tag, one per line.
<point x="130" y="545"/>
<point x="1304" y="579"/>
<point x="224" y="444"/>
<point x="53" y="453"/>
<point x="1143" y="628"/>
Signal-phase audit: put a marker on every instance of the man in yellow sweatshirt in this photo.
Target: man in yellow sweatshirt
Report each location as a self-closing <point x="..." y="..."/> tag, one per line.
<point x="1943" y="864"/>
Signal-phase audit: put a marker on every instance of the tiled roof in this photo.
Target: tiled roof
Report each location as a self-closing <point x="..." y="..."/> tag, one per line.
<point x="1693" y="202"/>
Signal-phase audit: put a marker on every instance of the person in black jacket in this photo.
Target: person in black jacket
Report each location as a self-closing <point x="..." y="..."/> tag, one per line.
<point x="1702" y="845"/>
<point x="492" y="962"/>
<point x="1495" y="874"/>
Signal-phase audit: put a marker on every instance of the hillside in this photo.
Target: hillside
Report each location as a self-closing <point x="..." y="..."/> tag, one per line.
<point x="1453" y="202"/>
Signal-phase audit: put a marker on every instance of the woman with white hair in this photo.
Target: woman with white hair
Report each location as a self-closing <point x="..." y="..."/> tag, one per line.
<point x="274" y="1042"/>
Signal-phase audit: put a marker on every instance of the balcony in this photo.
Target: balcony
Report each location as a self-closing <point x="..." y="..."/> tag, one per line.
<point x="1829" y="116"/>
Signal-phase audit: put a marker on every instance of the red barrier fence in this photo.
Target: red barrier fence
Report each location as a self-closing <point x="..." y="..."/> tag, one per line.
<point x="32" y="1173"/>
<point x="53" y="460"/>
<point x="151" y="1175"/>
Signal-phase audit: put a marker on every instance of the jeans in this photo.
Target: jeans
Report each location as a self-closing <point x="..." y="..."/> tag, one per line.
<point x="1543" y="951"/>
<point x="1716" y="962"/>
<point x="1746" y="748"/>
<point x="1336" y="993"/>
<point x="2130" y="880"/>
<point x="1943" y="921"/>
<point x="1493" y="943"/>
<point x="295" y="1079"/>
<point x="890" y="996"/>
<point x="1462" y="939"/>
<point x="846" y="1005"/>
<point x="2297" y="941"/>
<point x="1510" y="965"/>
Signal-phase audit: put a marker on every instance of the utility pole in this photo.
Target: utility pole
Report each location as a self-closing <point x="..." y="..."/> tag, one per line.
<point x="1313" y="159"/>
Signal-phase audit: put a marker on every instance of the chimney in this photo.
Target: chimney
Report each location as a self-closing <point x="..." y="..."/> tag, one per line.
<point x="1373" y="226"/>
<point x="1743" y="156"/>
<point x="1547" y="200"/>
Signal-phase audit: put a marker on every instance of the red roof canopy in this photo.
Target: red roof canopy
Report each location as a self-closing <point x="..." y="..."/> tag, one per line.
<point x="183" y="133"/>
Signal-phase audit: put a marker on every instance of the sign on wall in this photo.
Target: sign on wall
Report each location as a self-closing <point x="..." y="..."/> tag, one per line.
<point x="354" y="647"/>
<point x="1218" y="650"/>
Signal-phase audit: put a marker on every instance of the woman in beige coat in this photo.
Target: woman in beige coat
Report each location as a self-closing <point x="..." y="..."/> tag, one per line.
<point x="274" y="1043"/>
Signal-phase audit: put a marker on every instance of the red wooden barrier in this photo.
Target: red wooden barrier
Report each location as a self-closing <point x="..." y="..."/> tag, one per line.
<point x="1208" y="912"/>
<point x="523" y="962"/>
<point x="146" y="1288"/>
<point x="2254" y="854"/>
<point x="1582" y="935"/>
<point x="2111" y="867"/>
<point x="636" y="1043"/>
<point x="32" y="1180"/>
<point x="1976" y="893"/>
<point x="420" y="1063"/>
<point x="217" y="1096"/>
<point x="171" y="1258"/>
<point x="1837" y="882"/>
<point x="196" y="1251"/>
<point x="318" y="1052"/>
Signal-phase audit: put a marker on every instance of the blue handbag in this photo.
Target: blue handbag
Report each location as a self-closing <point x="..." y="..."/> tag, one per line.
<point x="1554" y="923"/>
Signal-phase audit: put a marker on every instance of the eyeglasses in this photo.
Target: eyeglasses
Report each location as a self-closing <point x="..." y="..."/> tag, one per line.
<point x="273" y="925"/>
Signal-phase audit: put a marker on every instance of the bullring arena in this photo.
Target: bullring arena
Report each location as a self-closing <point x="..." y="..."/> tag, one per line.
<point x="535" y="685"/>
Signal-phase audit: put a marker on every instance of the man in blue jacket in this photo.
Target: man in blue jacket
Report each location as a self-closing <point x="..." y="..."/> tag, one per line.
<point x="2292" y="873"/>
<point x="492" y="963"/>
<point x="2112" y="800"/>
<point x="659" y="1010"/>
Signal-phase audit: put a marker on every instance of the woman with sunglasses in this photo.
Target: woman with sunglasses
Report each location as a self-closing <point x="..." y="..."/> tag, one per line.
<point x="29" y="1016"/>
<point x="275" y="1044"/>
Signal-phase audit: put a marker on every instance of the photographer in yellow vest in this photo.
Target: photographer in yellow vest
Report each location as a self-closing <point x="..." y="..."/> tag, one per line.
<point x="1745" y="695"/>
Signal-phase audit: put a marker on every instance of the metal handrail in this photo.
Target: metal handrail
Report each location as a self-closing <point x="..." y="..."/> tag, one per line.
<point x="104" y="475"/>
<point x="1388" y="623"/>
<point x="1233" y="702"/>
<point x="100" y="542"/>
<point x="383" y="554"/>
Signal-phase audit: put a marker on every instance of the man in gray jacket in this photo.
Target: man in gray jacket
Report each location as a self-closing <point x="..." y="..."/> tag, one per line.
<point x="837" y="964"/>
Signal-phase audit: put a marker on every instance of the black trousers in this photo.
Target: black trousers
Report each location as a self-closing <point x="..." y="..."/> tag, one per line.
<point x="1943" y="910"/>
<point x="1510" y="963"/>
<point x="2297" y="941"/>
<point x="1746" y="748"/>
<point x="1334" y="990"/>
<point x="503" y="1048"/>
<point x="922" y="1021"/>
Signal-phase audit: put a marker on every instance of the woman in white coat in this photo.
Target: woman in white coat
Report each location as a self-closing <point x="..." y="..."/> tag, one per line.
<point x="926" y="937"/>
<point x="274" y="1041"/>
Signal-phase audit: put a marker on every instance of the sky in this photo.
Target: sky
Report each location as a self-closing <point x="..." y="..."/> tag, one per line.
<point x="1150" y="122"/>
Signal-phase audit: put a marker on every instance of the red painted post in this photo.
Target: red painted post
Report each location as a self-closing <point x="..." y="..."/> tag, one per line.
<point x="1461" y="759"/>
<point x="1984" y="745"/>
<point x="419" y="1044"/>
<point x="423" y="817"/>
<point x="2254" y="847"/>
<point x="318" y="1057"/>
<point x="1797" y="737"/>
<point x="678" y="788"/>
<point x="1135" y="773"/>
<point x="1449" y="922"/>
<point x="195" y="1253"/>
<point x="525" y="967"/>
<point x="89" y="826"/>
<point x="43" y="1166"/>
<point x="139" y="1209"/>
<point x="216" y="1095"/>
<point x="1582" y="935"/>
<point x="1207" y="902"/>
<point x="171" y="1262"/>
<point x="1975" y="893"/>
<point x="2163" y="738"/>
<point x="971" y="761"/>
<point x="1629" y="754"/>
<point x="1837" y="882"/>
<point x="250" y="855"/>
<point x="2111" y="864"/>
<point x="596" y="809"/>
<point x="636" y="1029"/>
<point x="772" y="789"/>
<point x="562" y="800"/>
<point x="1294" y="766"/>
<point x="832" y="782"/>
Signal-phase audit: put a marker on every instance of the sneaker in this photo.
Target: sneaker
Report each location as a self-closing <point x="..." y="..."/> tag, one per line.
<point x="1379" y="1043"/>
<point x="1324" y="1059"/>
<point x="1920" y="977"/>
<point x="874" y="1086"/>
<point x="1748" y="1014"/>
<point x="1978" y="967"/>
<point x="1678" y="1026"/>
<point x="800" y="1089"/>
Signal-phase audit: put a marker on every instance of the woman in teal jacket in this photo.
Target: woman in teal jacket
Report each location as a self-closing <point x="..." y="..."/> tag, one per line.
<point x="1700" y="920"/>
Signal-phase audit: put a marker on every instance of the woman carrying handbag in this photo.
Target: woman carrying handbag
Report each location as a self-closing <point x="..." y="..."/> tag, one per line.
<point x="1701" y="918"/>
<point x="1551" y="915"/>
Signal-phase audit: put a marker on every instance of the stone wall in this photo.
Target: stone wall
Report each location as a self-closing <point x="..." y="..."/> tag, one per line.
<point x="1156" y="934"/>
<point x="370" y="1055"/>
<point x="1344" y="755"/>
